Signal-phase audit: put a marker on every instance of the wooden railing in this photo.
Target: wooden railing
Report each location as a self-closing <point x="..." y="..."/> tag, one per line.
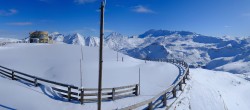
<point x="90" y="94"/>
<point x="151" y="103"/>
<point x="5" y="43"/>
<point x="72" y="92"/>
<point x="82" y="95"/>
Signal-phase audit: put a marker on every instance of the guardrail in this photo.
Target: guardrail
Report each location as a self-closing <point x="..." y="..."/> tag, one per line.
<point x="5" y="43"/>
<point x="90" y="94"/>
<point x="82" y="95"/>
<point x="72" y="92"/>
<point x="150" y="103"/>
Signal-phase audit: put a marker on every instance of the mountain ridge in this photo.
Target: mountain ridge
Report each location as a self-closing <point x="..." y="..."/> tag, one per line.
<point x="216" y="53"/>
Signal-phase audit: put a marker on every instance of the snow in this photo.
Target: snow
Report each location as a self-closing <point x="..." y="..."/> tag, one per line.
<point x="8" y="40"/>
<point x="60" y="62"/>
<point x="77" y="39"/>
<point x="57" y="37"/>
<point x="214" y="90"/>
<point x="207" y="89"/>
<point x="196" y="49"/>
<point x="235" y="67"/>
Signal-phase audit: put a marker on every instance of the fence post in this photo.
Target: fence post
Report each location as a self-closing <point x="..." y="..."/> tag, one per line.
<point x="180" y="85"/>
<point x="150" y="106"/>
<point x="69" y="93"/>
<point x="12" y="75"/>
<point x="184" y="80"/>
<point x="136" y="90"/>
<point x="35" y="82"/>
<point x="113" y="93"/>
<point x="164" y="99"/>
<point x="82" y="94"/>
<point x="174" y="92"/>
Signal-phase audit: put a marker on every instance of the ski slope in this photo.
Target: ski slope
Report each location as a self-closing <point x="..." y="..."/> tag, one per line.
<point x="214" y="90"/>
<point x="61" y="63"/>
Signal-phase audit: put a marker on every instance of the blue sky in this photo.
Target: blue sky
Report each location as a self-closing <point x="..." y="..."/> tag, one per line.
<point x="128" y="17"/>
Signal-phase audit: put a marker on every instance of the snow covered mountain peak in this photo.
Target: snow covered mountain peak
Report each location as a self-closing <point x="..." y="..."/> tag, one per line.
<point x="74" y="39"/>
<point x="157" y="33"/>
<point x="77" y="35"/>
<point x="92" y="41"/>
<point x="54" y="33"/>
<point x="57" y="37"/>
<point x="113" y="35"/>
<point x="217" y="53"/>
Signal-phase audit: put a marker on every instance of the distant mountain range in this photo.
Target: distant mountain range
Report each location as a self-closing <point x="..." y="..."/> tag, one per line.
<point x="217" y="53"/>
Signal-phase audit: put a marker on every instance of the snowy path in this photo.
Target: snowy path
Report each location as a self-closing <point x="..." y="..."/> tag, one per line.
<point x="61" y="63"/>
<point x="214" y="90"/>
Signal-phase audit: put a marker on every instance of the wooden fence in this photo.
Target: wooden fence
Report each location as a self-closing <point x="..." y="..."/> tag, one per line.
<point x="5" y="43"/>
<point x="90" y="94"/>
<point x="153" y="102"/>
<point x="72" y="92"/>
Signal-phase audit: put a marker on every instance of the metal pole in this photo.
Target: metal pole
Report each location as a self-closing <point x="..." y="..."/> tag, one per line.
<point x="81" y="52"/>
<point x="139" y="81"/>
<point x="100" y="56"/>
<point x="81" y="71"/>
<point x="81" y="65"/>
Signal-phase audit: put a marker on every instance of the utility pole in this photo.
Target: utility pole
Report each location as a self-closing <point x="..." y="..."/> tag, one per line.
<point x="100" y="56"/>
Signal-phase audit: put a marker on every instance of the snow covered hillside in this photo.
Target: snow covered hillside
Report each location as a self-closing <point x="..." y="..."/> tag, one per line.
<point x="61" y="63"/>
<point x="214" y="90"/>
<point x="216" y="53"/>
<point x="206" y="89"/>
<point x="2" y="40"/>
<point x="76" y="39"/>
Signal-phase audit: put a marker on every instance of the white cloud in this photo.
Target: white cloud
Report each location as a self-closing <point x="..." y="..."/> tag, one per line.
<point x="142" y="9"/>
<point x="108" y="30"/>
<point x="84" y="1"/>
<point x="98" y="10"/>
<point x="85" y="30"/>
<point x="20" y="23"/>
<point x="8" y="12"/>
<point x="227" y="26"/>
<point x="246" y="14"/>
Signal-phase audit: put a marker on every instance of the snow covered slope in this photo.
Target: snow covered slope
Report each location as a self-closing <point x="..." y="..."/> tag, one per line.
<point x="215" y="53"/>
<point x="74" y="39"/>
<point x="8" y="40"/>
<point x="207" y="89"/>
<point x="198" y="50"/>
<point x="214" y="90"/>
<point x="61" y="63"/>
<point x="57" y="37"/>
